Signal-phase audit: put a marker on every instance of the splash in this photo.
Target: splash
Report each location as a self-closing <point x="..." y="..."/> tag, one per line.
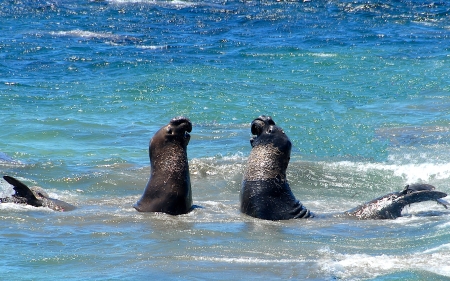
<point x="175" y="3"/>
<point x="411" y="173"/>
<point x="361" y="266"/>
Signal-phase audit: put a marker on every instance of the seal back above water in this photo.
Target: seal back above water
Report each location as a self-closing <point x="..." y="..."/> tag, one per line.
<point x="34" y="196"/>
<point x="391" y="205"/>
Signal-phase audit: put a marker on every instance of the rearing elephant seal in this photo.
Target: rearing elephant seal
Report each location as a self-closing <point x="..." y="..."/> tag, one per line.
<point x="169" y="187"/>
<point x="265" y="193"/>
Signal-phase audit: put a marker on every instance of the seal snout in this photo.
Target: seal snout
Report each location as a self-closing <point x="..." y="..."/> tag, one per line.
<point x="180" y="127"/>
<point x="182" y="122"/>
<point x="260" y="123"/>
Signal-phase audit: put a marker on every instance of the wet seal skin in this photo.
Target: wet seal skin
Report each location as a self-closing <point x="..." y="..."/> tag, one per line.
<point x="169" y="187"/>
<point x="34" y="196"/>
<point x="390" y="206"/>
<point x="265" y="192"/>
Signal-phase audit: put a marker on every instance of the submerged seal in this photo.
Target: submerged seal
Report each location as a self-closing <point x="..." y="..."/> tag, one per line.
<point x="390" y="206"/>
<point x="266" y="194"/>
<point x="34" y="196"/>
<point x="169" y="187"/>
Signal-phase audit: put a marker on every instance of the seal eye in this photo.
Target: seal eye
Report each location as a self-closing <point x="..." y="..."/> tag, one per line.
<point x="169" y="130"/>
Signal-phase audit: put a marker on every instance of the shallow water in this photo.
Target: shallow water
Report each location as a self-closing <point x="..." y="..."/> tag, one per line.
<point x="360" y="87"/>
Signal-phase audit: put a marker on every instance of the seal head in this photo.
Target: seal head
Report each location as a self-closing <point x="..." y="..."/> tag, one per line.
<point x="265" y="192"/>
<point x="169" y="187"/>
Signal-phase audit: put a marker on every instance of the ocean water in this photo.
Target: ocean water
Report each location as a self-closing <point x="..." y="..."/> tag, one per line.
<point x="362" y="89"/>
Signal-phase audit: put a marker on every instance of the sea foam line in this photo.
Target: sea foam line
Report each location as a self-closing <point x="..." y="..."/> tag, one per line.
<point x="153" y="47"/>
<point x="245" y="260"/>
<point x="94" y="35"/>
<point x="174" y="3"/>
<point x="364" y="266"/>
<point x="83" y="34"/>
<point x="410" y="172"/>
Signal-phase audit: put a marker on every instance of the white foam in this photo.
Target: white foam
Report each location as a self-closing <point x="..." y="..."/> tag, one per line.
<point x="218" y="165"/>
<point x="174" y="3"/>
<point x="235" y="157"/>
<point x="444" y="225"/>
<point x="410" y="172"/>
<point x="322" y="55"/>
<point x="441" y="248"/>
<point x="347" y="266"/>
<point x="153" y="47"/>
<point x="84" y="34"/>
<point x="246" y="260"/>
<point x="23" y="207"/>
<point x="109" y="38"/>
<point x="5" y="189"/>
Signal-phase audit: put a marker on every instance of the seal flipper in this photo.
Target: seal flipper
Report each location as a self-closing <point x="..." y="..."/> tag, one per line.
<point x="300" y="212"/>
<point x="390" y="206"/>
<point x="23" y="191"/>
<point x="422" y="186"/>
<point x="420" y="196"/>
<point x="443" y="203"/>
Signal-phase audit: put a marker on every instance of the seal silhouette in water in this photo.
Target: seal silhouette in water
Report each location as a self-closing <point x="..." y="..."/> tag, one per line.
<point x="34" y="196"/>
<point x="266" y="194"/>
<point x="390" y="206"/>
<point x="169" y="187"/>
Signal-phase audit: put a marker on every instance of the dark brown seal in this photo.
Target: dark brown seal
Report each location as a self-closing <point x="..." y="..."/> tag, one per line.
<point x="169" y="187"/>
<point x="390" y="206"/>
<point x="34" y="196"/>
<point x="265" y="192"/>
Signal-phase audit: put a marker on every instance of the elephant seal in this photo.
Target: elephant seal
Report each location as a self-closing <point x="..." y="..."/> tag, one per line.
<point x="34" y="196"/>
<point x="390" y="206"/>
<point x="266" y="194"/>
<point x="169" y="187"/>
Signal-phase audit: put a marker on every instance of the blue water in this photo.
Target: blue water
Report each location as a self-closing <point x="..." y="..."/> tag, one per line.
<point x="361" y="88"/>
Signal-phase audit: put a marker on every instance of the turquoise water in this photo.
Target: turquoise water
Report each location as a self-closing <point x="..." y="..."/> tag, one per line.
<point x="360" y="87"/>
